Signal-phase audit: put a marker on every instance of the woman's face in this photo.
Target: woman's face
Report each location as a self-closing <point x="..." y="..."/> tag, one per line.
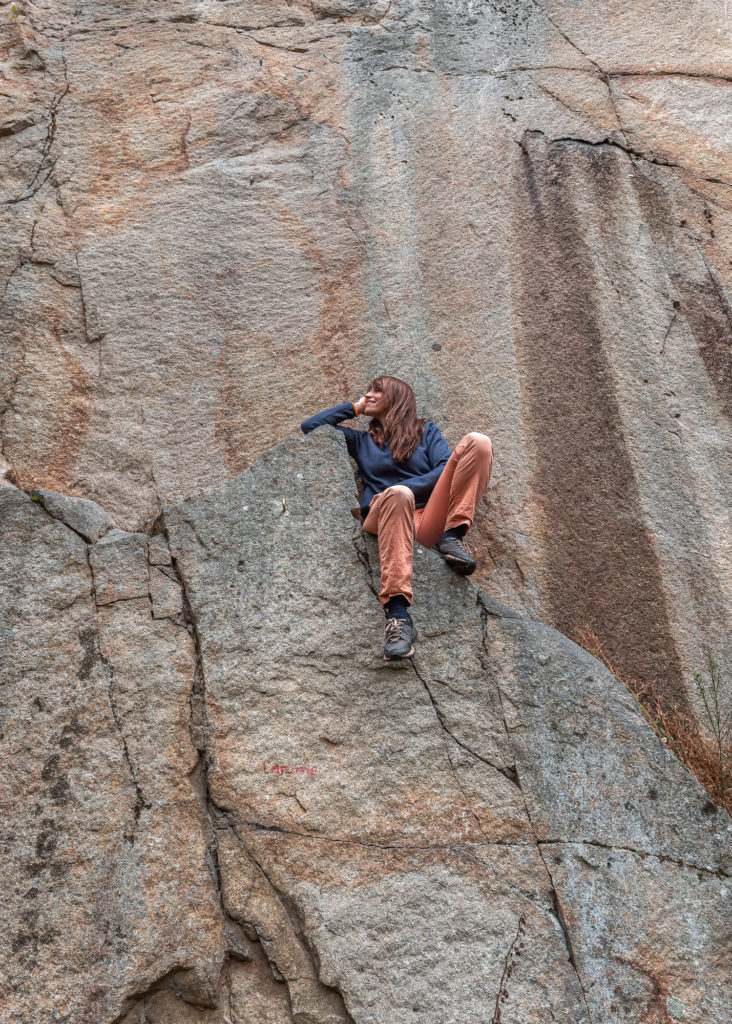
<point x="376" y="403"/>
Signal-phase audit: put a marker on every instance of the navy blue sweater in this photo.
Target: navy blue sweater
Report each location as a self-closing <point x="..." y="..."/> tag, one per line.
<point x="378" y="470"/>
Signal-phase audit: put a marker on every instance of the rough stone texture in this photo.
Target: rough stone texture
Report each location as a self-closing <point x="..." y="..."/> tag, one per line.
<point x="107" y="883"/>
<point x="83" y="516"/>
<point x="225" y="807"/>
<point x="221" y="217"/>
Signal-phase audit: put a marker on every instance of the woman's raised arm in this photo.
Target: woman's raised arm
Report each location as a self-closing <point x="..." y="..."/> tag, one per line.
<point x="333" y="416"/>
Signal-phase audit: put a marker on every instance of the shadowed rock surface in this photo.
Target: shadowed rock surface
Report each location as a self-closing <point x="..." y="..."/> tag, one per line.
<point x="222" y="805"/>
<point x="220" y="217"/>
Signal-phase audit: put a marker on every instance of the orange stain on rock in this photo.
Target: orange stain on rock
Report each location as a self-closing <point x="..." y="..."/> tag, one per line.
<point x="64" y="427"/>
<point x="342" y="311"/>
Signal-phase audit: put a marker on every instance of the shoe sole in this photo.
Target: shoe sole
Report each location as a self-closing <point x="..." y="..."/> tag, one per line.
<point x="399" y="657"/>
<point x="464" y="568"/>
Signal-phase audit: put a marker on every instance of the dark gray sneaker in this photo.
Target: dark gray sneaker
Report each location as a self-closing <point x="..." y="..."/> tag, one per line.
<point x="399" y="635"/>
<point x="452" y="550"/>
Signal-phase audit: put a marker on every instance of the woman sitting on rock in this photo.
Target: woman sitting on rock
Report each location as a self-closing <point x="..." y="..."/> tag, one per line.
<point x="414" y="489"/>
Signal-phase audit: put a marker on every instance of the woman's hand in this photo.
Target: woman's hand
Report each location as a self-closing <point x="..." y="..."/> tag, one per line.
<point x="360" y="406"/>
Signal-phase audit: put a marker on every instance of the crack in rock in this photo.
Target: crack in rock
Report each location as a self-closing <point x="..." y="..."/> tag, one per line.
<point x="633" y="153"/>
<point x="508" y="772"/>
<point x="723" y="872"/>
<point x="140" y="801"/>
<point x="261" y="827"/>
<point x="219" y="819"/>
<point x="199" y="732"/>
<point x="558" y="913"/>
<point x="445" y="730"/>
<point x="292" y="956"/>
<point x="362" y="552"/>
<point x="47" y="145"/>
<point x="509" y="962"/>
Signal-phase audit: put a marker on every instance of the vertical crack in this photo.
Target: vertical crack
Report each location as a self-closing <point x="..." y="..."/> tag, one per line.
<point x="217" y="818"/>
<point x="95" y="639"/>
<point x="46" y="163"/>
<point x="220" y="818"/>
<point x="513" y="951"/>
<point x="140" y="801"/>
<point x="508" y="772"/>
<point x="440" y="719"/>
<point x="149" y="587"/>
<point x="558" y="913"/>
<point x="313" y="1008"/>
<point x="362" y="551"/>
<point x="199" y="731"/>
<point x="662" y="350"/>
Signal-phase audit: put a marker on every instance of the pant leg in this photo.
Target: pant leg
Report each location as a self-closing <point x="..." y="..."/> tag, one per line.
<point x="391" y="518"/>
<point x="456" y="494"/>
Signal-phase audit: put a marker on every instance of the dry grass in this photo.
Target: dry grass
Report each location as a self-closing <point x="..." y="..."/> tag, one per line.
<point x="704" y="747"/>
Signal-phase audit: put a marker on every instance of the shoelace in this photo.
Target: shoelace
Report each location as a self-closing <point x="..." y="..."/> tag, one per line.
<point x="393" y="629"/>
<point x="468" y="548"/>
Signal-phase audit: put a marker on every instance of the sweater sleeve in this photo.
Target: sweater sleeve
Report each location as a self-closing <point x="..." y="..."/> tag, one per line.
<point x="333" y="416"/>
<point x="438" y="453"/>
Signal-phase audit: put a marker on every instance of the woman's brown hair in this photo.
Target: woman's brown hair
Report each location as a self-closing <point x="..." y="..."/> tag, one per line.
<point x="400" y="426"/>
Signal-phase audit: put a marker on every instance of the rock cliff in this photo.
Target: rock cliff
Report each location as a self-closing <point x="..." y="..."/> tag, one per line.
<point x="219" y="217"/>
<point x="221" y="805"/>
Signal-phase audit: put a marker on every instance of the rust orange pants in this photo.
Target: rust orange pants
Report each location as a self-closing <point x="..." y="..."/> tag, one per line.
<point x="397" y="523"/>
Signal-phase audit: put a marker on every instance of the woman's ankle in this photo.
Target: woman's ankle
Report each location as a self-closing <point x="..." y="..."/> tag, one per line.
<point x="397" y="607"/>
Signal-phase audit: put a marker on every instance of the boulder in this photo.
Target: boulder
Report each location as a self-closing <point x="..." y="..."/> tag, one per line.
<point x="240" y="812"/>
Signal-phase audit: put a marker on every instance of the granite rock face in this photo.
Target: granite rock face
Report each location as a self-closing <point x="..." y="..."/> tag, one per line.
<point x="221" y="217"/>
<point x="223" y="806"/>
<point x="107" y="881"/>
